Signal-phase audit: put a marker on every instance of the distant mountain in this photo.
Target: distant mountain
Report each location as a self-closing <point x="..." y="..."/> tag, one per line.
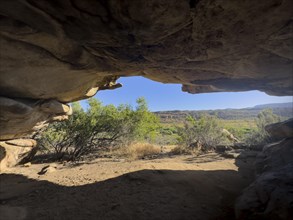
<point x="284" y="110"/>
<point x="275" y="105"/>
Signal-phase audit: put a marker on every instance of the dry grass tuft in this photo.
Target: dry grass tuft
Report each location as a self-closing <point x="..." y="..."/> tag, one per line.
<point x="142" y="150"/>
<point x="138" y="151"/>
<point x="178" y="150"/>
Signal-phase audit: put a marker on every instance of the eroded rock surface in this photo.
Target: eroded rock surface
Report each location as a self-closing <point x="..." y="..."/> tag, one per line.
<point x="68" y="50"/>
<point x="14" y="151"/>
<point x="271" y="195"/>
<point x="281" y="130"/>
<point x="23" y="117"/>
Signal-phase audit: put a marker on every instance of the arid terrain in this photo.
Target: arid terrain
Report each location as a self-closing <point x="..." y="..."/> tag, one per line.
<point x="55" y="53"/>
<point x="171" y="187"/>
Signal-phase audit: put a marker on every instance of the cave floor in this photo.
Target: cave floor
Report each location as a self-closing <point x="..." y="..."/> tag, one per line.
<point x="177" y="187"/>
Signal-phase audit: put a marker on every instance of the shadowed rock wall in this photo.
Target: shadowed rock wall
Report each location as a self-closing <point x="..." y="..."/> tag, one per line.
<point x="270" y="196"/>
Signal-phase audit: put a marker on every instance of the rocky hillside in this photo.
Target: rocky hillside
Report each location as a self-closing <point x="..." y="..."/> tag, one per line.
<point x="284" y="110"/>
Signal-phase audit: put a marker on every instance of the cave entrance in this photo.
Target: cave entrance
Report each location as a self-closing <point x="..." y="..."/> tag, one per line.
<point x="167" y="155"/>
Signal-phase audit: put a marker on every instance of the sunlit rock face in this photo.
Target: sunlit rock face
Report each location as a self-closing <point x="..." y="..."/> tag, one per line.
<point x="68" y="50"/>
<point x="15" y="151"/>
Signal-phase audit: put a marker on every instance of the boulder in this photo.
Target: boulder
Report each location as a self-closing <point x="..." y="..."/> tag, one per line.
<point x="276" y="155"/>
<point x="223" y="148"/>
<point x="230" y="136"/>
<point x="240" y="154"/>
<point x="48" y="169"/>
<point x="270" y="197"/>
<point x="281" y="130"/>
<point x="28" y="164"/>
<point x="12" y="154"/>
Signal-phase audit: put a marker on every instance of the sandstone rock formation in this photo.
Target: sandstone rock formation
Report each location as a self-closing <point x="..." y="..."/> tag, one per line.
<point x="271" y="195"/>
<point x="20" y="117"/>
<point x="13" y="151"/>
<point x="281" y="130"/>
<point x="61" y="51"/>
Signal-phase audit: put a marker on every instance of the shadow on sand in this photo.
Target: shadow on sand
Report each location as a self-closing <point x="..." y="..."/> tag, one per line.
<point x="145" y="194"/>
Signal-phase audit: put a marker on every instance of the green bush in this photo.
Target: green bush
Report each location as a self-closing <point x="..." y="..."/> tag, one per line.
<point x="99" y="127"/>
<point x="259" y="136"/>
<point x="203" y="133"/>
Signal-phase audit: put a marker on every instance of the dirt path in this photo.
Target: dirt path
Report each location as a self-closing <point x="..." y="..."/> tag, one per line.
<point x="182" y="187"/>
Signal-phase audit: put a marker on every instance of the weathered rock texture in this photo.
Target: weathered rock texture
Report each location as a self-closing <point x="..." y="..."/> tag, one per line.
<point x="22" y="117"/>
<point x="281" y="130"/>
<point x="271" y="195"/>
<point x="67" y="50"/>
<point x="14" y="151"/>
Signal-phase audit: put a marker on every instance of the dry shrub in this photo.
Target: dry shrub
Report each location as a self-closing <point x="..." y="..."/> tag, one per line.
<point x="141" y="150"/>
<point x="178" y="150"/>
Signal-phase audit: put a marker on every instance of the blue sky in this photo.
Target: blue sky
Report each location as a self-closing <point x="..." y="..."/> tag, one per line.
<point x="170" y="97"/>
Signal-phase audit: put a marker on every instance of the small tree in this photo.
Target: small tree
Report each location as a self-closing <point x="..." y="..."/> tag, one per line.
<point x="203" y="133"/>
<point x="99" y="127"/>
<point x="259" y="136"/>
<point x="61" y="137"/>
<point x="147" y="123"/>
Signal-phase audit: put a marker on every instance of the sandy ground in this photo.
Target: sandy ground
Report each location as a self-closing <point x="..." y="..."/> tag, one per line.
<point x="181" y="187"/>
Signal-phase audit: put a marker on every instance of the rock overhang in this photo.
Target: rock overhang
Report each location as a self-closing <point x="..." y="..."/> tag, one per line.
<point x="63" y="51"/>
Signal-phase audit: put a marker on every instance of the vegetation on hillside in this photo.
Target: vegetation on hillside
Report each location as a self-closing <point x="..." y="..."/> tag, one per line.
<point x="137" y="132"/>
<point x="283" y="110"/>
